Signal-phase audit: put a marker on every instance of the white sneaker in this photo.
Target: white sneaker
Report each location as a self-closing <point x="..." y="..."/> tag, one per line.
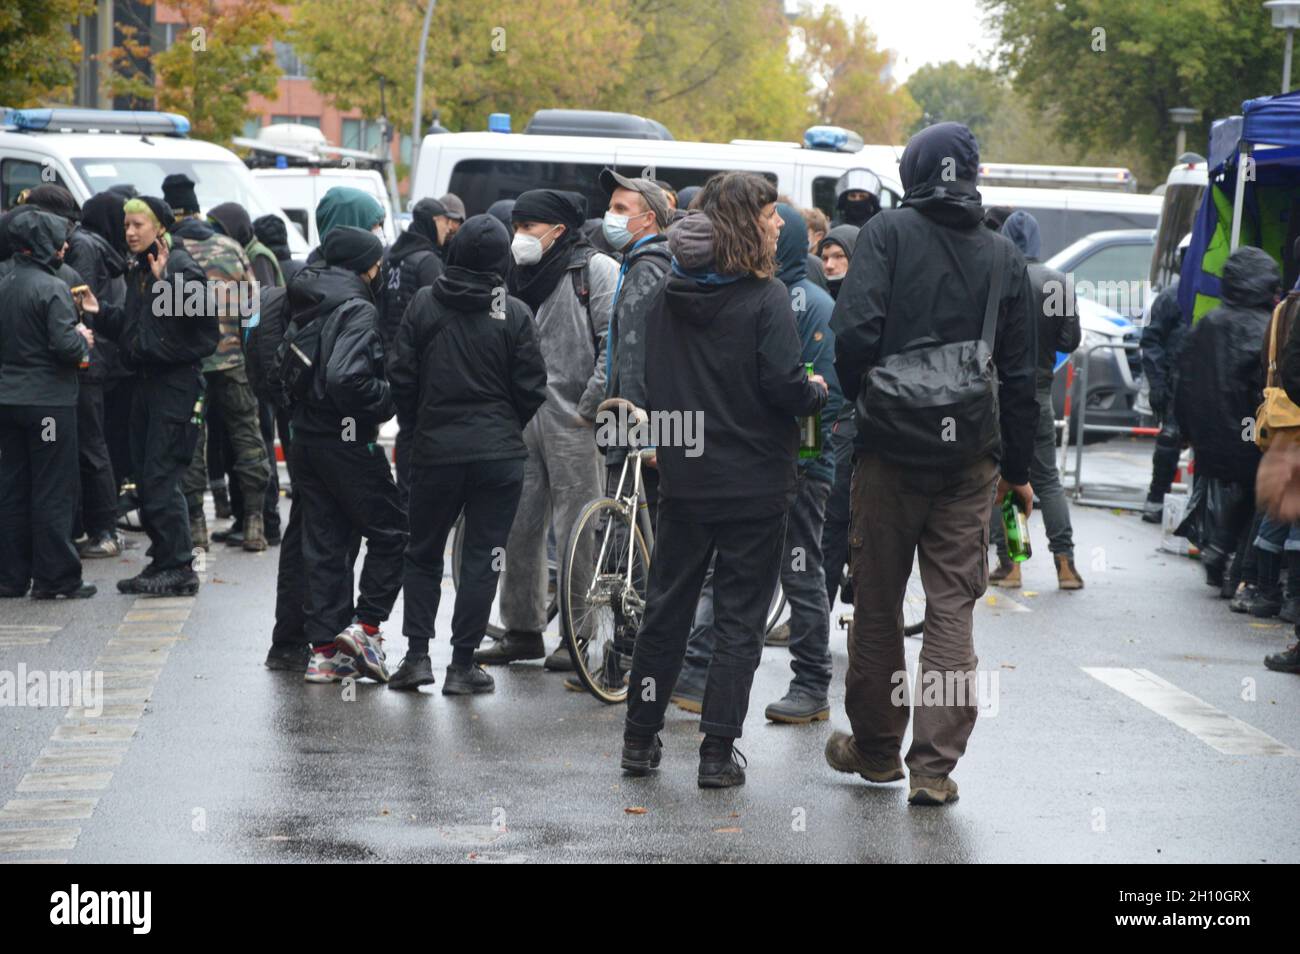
<point x="330" y="664"/>
<point x="366" y="651"/>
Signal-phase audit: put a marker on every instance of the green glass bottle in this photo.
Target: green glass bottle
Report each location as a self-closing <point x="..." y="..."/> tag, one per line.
<point x="810" y="431"/>
<point x="1016" y="529"/>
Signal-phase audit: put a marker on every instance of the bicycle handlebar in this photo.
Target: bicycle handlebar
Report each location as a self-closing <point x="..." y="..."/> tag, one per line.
<point x="637" y="415"/>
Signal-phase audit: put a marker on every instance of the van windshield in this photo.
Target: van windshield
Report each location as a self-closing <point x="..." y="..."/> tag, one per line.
<point x="215" y="182"/>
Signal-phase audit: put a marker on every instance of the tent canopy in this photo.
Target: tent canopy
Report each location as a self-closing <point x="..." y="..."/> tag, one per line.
<point x="1268" y="120"/>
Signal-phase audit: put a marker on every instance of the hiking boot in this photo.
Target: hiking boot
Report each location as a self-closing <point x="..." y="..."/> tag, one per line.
<point x="199" y="530"/>
<point x="561" y="660"/>
<point x="1288" y="661"/>
<point x="82" y="591"/>
<point x="1006" y="575"/>
<point x="1067" y="577"/>
<point x="254" y="540"/>
<point x="778" y="636"/>
<point x="414" y="672"/>
<point x="513" y="646"/>
<point x="931" y="790"/>
<point x="843" y="755"/>
<point x="179" y="581"/>
<point x="221" y="501"/>
<point x="102" y="547"/>
<point x="366" y="648"/>
<point x="721" y="766"/>
<point x="1265" y="605"/>
<point x="1153" y="510"/>
<point x="1241" y="600"/>
<point x="641" y="755"/>
<point x="798" y="708"/>
<point x="1267" y="600"/>
<point x="288" y="657"/>
<point x="470" y="680"/>
<point x="688" y="694"/>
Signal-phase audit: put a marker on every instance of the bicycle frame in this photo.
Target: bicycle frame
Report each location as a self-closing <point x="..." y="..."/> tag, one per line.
<point x="632" y="502"/>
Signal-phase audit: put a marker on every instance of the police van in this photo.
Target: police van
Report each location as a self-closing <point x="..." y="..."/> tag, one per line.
<point x="90" y="150"/>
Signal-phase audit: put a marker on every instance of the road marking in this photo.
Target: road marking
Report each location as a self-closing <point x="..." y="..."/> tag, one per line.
<point x="118" y="696"/>
<point x="164" y="602"/>
<point x="129" y="659"/>
<point x="27" y="628"/>
<point x="156" y="616"/>
<point x="47" y="809"/>
<point x="124" y="710"/>
<point x="64" y="781"/>
<point x="1214" y="727"/>
<point x="76" y="758"/>
<point x="38" y="839"/>
<point x="94" y="732"/>
<point x="22" y="634"/>
<point x="148" y="629"/>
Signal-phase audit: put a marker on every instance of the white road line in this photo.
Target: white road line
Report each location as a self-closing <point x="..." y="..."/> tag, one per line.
<point x="77" y="758"/>
<point x="38" y="839"/>
<point x="47" y="809"/>
<point x="27" y="628"/>
<point x="1214" y="727"/>
<point x="64" y="781"/>
<point x="94" y="732"/>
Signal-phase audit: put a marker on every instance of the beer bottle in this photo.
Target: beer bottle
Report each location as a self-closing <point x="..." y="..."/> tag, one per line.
<point x="810" y="431"/>
<point x="1016" y="529"/>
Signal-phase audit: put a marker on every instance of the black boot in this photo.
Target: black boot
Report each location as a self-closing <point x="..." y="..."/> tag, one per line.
<point x="414" y="672"/>
<point x="469" y="680"/>
<point x="288" y="657"/>
<point x="721" y="764"/>
<point x="1288" y="661"/>
<point x="641" y="754"/>
<point x="1290" y="611"/>
<point x="1268" y="588"/>
<point x="514" y="645"/>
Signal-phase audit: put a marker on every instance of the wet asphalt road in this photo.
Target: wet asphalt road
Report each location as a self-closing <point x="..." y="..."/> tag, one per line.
<point x="226" y="761"/>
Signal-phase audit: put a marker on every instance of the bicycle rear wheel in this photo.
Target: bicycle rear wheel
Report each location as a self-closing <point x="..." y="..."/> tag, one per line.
<point x="602" y="587"/>
<point x="914" y="604"/>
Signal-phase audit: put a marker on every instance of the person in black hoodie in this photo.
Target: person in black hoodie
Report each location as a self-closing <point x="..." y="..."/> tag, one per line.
<point x="274" y="234"/>
<point x="1220" y="384"/>
<point x="925" y="274"/>
<point x="164" y="349"/>
<point x="340" y="471"/>
<point x="411" y="263"/>
<point x="41" y="346"/>
<point x="467" y="372"/>
<point x="721" y="347"/>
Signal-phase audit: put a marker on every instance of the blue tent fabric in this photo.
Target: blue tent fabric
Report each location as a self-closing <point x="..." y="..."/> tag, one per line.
<point x="1267" y="120"/>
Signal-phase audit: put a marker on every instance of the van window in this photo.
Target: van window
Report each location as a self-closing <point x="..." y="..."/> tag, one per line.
<point x="19" y="174"/>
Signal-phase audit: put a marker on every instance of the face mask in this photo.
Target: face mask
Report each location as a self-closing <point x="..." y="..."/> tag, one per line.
<point x="527" y="249"/>
<point x="858" y="211"/>
<point x="834" y="285"/>
<point x="616" y="230"/>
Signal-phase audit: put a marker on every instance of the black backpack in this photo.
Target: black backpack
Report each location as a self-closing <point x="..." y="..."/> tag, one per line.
<point x="262" y="339"/>
<point x="936" y="405"/>
<point x="298" y="358"/>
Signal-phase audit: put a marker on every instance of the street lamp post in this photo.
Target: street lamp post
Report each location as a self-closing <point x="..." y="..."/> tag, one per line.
<point x="1182" y="117"/>
<point x="419" y="89"/>
<point x="1286" y="16"/>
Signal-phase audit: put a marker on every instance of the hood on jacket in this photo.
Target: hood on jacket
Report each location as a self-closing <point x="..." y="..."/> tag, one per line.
<point x="691" y="242"/>
<point x="482" y="244"/>
<point x="231" y="218"/>
<point x="318" y="289"/>
<point x="939" y="169"/>
<point x="1250" y="279"/>
<point x="501" y="209"/>
<point x="193" y="228"/>
<point x="55" y="200"/>
<point x="408" y="242"/>
<point x="38" y="234"/>
<point x="422" y="224"/>
<point x="845" y="236"/>
<point x="271" y="232"/>
<point x="791" y="245"/>
<point x="343" y="205"/>
<point x="1022" y="228"/>
<point x="103" y="215"/>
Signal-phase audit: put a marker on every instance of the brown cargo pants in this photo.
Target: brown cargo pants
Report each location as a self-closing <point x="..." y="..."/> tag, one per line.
<point x="897" y="511"/>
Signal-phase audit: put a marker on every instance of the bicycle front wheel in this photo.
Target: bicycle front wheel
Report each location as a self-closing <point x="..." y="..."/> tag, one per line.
<point x="602" y="589"/>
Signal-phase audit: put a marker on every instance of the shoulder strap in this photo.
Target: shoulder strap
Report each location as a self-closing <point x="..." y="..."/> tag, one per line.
<point x="995" y="295"/>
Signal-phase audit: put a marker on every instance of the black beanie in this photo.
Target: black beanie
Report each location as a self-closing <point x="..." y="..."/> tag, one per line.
<point x="55" y="200"/>
<point x="160" y="209"/>
<point x="178" y="190"/>
<point x="347" y="246"/>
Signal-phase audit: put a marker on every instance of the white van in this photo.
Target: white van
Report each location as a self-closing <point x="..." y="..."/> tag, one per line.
<point x="88" y="150"/>
<point x="299" y="189"/>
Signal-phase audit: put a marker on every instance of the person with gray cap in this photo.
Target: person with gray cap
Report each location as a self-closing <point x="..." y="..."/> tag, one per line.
<point x="448" y="220"/>
<point x="857" y="197"/>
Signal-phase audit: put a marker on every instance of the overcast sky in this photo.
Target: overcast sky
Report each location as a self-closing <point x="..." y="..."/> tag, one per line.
<point x="924" y="31"/>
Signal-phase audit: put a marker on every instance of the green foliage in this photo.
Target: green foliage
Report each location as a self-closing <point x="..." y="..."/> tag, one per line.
<point x="37" y="50"/>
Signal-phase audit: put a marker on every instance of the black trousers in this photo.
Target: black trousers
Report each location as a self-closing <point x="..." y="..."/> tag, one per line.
<point x="835" y="532"/>
<point x="271" y="500"/>
<point x="1164" y="460"/>
<point x="119" y="397"/>
<point x="39" y="490"/>
<point x="163" y="439"/>
<point x="402" y="457"/>
<point x="346" y="488"/>
<point x="98" y="479"/>
<point x="745" y="572"/>
<point x="291" y="581"/>
<point x="488" y="492"/>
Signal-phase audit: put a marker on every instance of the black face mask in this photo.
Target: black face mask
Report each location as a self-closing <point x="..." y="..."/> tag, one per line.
<point x="858" y="211"/>
<point x="834" y="285"/>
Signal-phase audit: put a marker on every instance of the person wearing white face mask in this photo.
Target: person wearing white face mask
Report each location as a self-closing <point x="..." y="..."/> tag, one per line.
<point x="570" y="288"/>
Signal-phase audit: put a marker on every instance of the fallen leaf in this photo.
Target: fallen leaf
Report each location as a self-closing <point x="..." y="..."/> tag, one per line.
<point x="729" y="831"/>
<point x="636" y="810"/>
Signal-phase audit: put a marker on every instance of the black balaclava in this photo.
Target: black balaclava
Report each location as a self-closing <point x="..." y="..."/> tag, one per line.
<point x="102" y="214"/>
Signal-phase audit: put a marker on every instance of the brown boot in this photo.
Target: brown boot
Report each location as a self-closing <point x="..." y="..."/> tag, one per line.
<point x="931" y="790"/>
<point x="199" y="530"/>
<point x="843" y="755"/>
<point x="1066" y="575"/>
<point x="1006" y="576"/>
<point x="254" y="533"/>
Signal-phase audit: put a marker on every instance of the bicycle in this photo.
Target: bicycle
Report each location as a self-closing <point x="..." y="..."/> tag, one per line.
<point x="913" y="602"/>
<point x="603" y="574"/>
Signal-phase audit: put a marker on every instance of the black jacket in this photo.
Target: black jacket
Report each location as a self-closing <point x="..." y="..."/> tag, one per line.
<point x="411" y="263"/>
<point x="1162" y="340"/>
<point x="274" y="234"/>
<point x="40" y="348"/>
<point x="1220" y="375"/>
<point x="922" y="273"/>
<point x="643" y="271"/>
<point x="728" y="357"/>
<point x="473" y="386"/>
<point x="101" y="267"/>
<point x="1058" y="318"/>
<point x="350" y="382"/>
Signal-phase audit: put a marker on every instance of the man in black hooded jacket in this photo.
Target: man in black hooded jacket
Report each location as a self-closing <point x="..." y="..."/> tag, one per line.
<point x="924" y="274"/>
<point x="467" y="372"/>
<point x="274" y="234"/>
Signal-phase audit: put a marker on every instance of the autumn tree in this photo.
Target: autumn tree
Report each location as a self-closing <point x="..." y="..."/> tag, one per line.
<point x="223" y="56"/>
<point x="851" y="76"/>
<point x="38" y="52"/>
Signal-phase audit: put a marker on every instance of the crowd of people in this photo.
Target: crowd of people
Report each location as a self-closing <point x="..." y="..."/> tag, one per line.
<point x="921" y="337"/>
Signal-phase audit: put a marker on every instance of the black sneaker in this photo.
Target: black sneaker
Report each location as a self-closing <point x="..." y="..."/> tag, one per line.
<point x="1288" y="661"/>
<point x="513" y="646"/>
<point x="1243" y="598"/>
<point x="414" y="672"/>
<point x="467" y="681"/>
<point x="721" y="768"/>
<point x="288" y="657"/>
<point x="1153" y="511"/>
<point x="179" y="581"/>
<point x="82" y="591"/>
<point x="641" y="754"/>
<point x="134" y="584"/>
<point x="1265" y="604"/>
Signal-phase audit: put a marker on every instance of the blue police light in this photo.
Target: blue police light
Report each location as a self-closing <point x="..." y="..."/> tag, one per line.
<point x="282" y="162"/>
<point x="98" y="121"/>
<point x="835" y="138"/>
<point x="499" y="122"/>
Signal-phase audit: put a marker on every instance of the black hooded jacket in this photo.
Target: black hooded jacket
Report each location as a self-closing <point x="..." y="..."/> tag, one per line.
<point x="1220" y="376"/>
<point x="1056" y="316"/>
<point x="97" y="252"/>
<point x="921" y="273"/>
<point x="350" y="381"/>
<point x="465" y="365"/>
<point x="411" y="263"/>
<point x="40" y="348"/>
<point x="272" y="232"/>
<point x="1162" y="342"/>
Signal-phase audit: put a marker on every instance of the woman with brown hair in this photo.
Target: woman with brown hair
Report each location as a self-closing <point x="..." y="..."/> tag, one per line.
<point x="721" y="348"/>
